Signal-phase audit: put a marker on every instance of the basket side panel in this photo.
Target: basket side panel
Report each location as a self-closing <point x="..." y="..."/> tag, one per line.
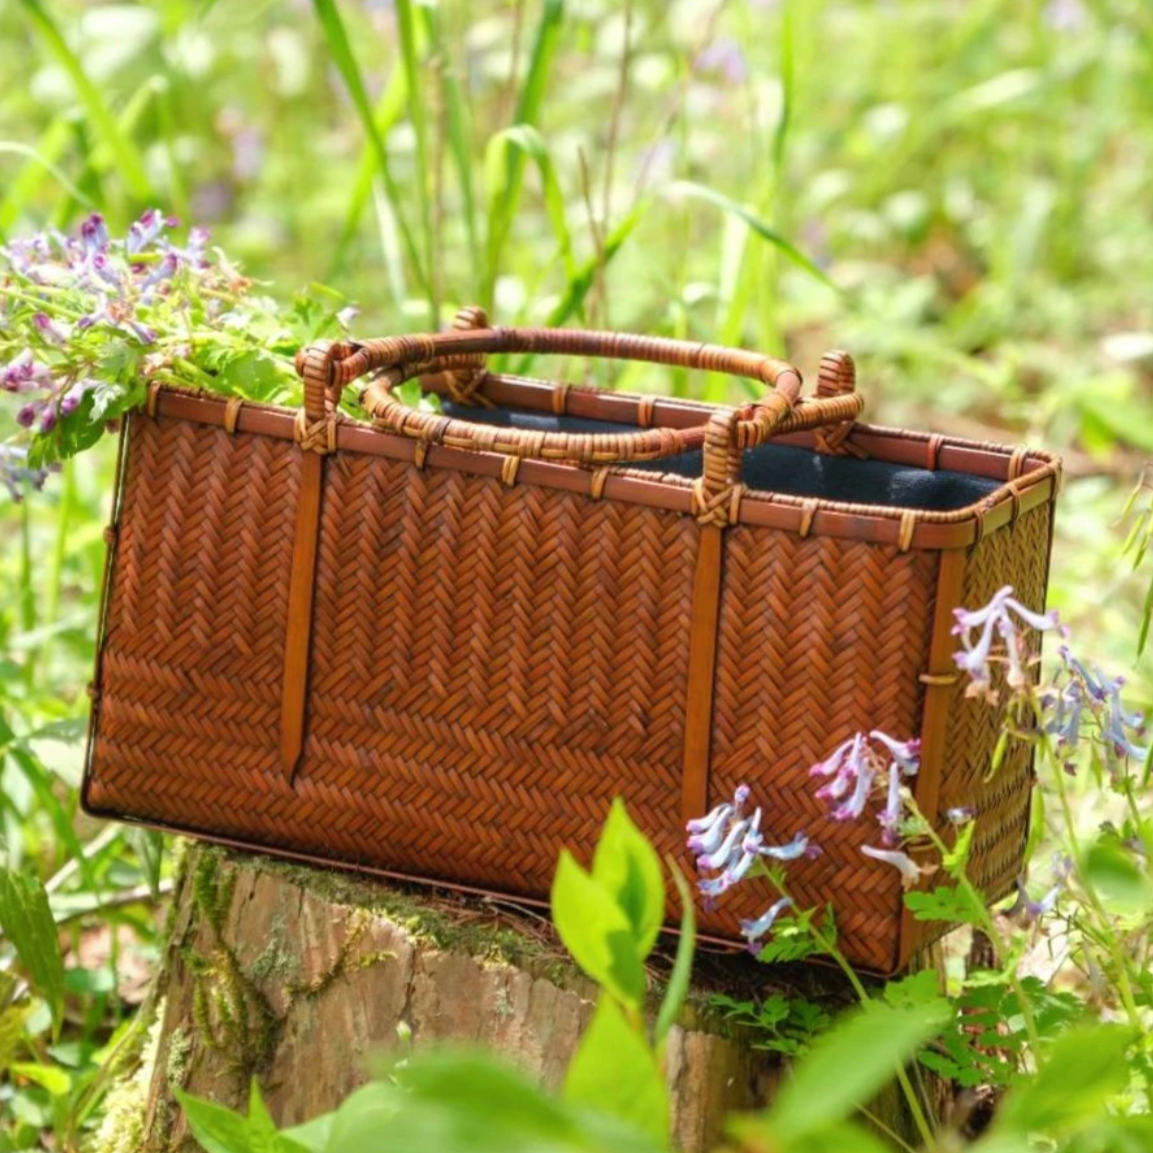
<point x="491" y="666"/>
<point x="1017" y="556"/>
<point x="193" y="651"/>
<point x="819" y="638"/>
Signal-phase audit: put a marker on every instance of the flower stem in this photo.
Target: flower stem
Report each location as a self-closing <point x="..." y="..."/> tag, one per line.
<point x="829" y="946"/>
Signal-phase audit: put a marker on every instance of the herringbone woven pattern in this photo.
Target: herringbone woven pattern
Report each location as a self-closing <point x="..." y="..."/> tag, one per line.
<point x="470" y="667"/>
<point x="193" y="653"/>
<point x="819" y="638"/>
<point x="528" y="663"/>
<point x="491" y="665"/>
<point x="1019" y="556"/>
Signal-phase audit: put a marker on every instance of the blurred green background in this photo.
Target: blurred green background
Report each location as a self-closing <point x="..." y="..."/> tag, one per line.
<point x="957" y="191"/>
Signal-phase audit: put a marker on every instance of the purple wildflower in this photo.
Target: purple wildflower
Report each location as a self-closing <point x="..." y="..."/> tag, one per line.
<point x="164" y="270"/>
<point x="708" y="831"/>
<point x="15" y="474"/>
<point x="53" y="332"/>
<point x="727" y="844"/>
<point x="1065" y="15"/>
<point x="94" y="235"/>
<point x="71" y="399"/>
<point x="26" y="416"/>
<point x="754" y="931"/>
<point x="147" y="229"/>
<point x="727" y="850"/>
<point x="906" y="754"/>
<point x="724" y="56"/>
<point x="909" y="869"/>
<point x="1001" y="619"/>
<point x="891" y="817"/>
<point x="1081" y="691"/>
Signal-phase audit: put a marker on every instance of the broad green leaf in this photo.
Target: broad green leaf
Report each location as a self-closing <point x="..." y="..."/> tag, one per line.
<point x="945" y="904"/>
<point x="851" y="1064"/>
<point x="614" y="1071"/>
<point x="597" y="932"/>
<point x="681" y="975"/>
<point x="1116" y="877"/>
<point x="220" y="1130"/>
<point x="627" y="865"/>
<point x="460" y="1102"/>
<point x="1082" y="1070"/>
<point x="26" y="920"/>
<point x="758" y="1133"/>
<point x="51" y="1078"/>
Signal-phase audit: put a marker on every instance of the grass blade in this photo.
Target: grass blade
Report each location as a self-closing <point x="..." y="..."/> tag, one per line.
<point x="416" y="113"/>
<point x="459" y="131"/>
<point x="719" y="200"/>
<point x="341" y="50"/>
<point x="527" y="112"/>
<point x="526" y="140"/>
<point x="678" y="986"/>
<point x="127" y="157"/>
<point x="543" y="49"/>
<point x="23" y="187"/>
<point x="581" y="282"/>
<point x="386" y="114"/>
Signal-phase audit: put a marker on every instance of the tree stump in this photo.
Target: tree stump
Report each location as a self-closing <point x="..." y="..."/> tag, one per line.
<point x="299" y="976"/>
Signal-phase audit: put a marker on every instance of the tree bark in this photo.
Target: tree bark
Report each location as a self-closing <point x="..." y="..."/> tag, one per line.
<point x="301" y="977"/>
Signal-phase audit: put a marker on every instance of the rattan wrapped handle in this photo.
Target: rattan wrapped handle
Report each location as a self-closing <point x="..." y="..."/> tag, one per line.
<point x="328" y="368"/>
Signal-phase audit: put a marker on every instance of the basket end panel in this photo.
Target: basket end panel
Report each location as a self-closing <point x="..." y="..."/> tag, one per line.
<point x="820" y="637"/>
<point x="999" y="797"/>
<point x="192" y="655"/>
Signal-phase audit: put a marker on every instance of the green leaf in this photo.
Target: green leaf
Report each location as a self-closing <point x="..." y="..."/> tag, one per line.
<point x="461" y="1102"/>
<point x="614" y="1071"/>
<point x="149" y="846"/>
<point x="597" y="932"/>
<point x="678" y="986"/>
<point x="220" y="1130"/>
<point x="711" y="196"/>
<point x="1082" y="1070"/>
<point x="1115" y="876"/>
<point x="26" y="920"/>
<point x="129" y="162"/>
<point x="758" y="1133"/>
<point x="503" y="199"/>
<point x="851" y="1064"/>
<point x="345" y="61"/>
<point x="945" y="904"/>
<point x="627" y="865"/>
<point x="51" y="1078"/>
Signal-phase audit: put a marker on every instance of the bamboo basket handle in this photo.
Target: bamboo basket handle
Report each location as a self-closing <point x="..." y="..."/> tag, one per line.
<point x="328" y="368"/>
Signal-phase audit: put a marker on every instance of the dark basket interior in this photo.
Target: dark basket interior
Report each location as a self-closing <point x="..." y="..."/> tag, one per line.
<point x="781" y="468"/>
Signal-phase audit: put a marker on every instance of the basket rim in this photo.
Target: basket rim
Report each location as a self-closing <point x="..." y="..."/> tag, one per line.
<point x="1030" y="477"/>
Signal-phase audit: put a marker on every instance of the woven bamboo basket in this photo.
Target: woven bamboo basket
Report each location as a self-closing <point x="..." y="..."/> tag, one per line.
<point x="436" y="645"/>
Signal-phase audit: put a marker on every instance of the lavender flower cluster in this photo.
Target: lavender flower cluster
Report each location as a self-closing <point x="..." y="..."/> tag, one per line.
<point x="57" y="289"/>
<point x="727" y="844"/>
<point x="1081" y="703"/>
<point x="1001" y="619"/>
<point x="1080" y="695"/>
